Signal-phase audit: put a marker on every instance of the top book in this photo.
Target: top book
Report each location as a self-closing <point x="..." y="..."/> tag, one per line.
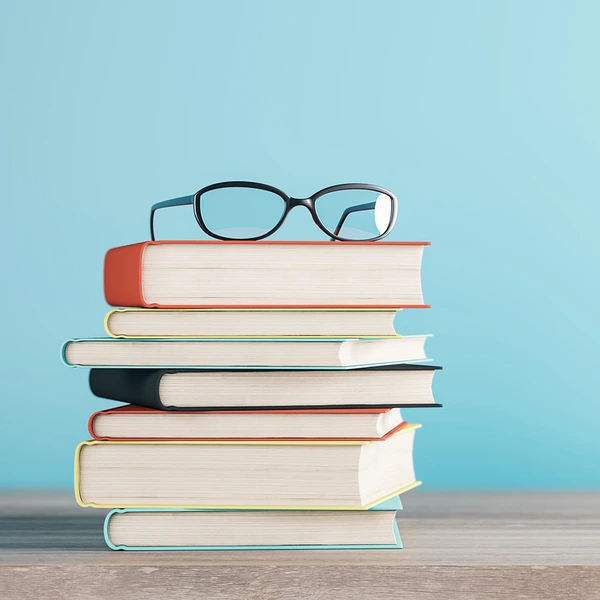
<point x="205" y="274"/>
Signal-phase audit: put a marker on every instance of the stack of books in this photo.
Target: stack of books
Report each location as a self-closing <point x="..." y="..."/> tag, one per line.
<point x="263" y="384"/>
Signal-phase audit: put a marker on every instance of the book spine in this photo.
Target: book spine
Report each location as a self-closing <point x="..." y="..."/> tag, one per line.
<point x="123" y="275"/>
<point x="91" y="424"/>
<point x="76" y="472"/>
<point x="107" y="319"/>
<point x="133" y="386"/>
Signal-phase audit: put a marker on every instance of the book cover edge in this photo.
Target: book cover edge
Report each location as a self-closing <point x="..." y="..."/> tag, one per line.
<point x="398" y="545"/>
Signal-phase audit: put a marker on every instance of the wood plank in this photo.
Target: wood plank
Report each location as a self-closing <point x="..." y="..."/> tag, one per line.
<point x="79" y="582"/>
<point x="461" y="545"/>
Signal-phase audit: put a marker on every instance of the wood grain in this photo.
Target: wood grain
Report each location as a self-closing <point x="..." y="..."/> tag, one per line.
<point x="456" y="546"/>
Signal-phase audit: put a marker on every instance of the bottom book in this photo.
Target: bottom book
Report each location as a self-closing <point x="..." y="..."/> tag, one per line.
<point x="164" y="529"/>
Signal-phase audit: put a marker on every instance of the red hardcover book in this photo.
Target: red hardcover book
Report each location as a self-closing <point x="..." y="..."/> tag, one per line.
<point x="134" y="423"/>
<point x="207" y="274"/>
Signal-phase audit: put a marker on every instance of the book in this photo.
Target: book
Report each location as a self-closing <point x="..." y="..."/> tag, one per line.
<point x="182" y="274"/>
<point x="241" y="323"/>
<point x="164" y="389"/>
<point x="230" y="353"/>
<point x="155" y="529"/>
<point x="138" y="423"/>
<point x="301" y="475"/>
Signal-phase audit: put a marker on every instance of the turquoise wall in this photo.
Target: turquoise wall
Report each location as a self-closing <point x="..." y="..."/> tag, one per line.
<point x="483" y="118"/>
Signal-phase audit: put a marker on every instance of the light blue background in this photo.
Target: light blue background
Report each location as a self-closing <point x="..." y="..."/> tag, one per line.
<point x="483" y="117"/>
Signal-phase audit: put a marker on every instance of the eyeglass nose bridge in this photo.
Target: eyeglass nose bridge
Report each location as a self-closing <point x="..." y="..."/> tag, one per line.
<point x="307" y="202"/>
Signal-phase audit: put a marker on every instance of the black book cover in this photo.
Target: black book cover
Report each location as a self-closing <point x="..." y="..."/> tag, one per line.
<point x="141" y="387"/>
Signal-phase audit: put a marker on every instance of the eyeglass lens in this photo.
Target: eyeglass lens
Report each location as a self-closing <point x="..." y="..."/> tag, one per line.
<point x="241" y="213"/>
<point x="355" y="214"/>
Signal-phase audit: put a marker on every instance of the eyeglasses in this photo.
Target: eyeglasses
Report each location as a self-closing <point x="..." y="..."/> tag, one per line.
<point x="244" y="210"/>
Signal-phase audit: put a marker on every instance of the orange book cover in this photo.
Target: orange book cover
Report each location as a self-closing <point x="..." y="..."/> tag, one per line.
<point x="123" y="282"/>
<point x="150" y="411"/>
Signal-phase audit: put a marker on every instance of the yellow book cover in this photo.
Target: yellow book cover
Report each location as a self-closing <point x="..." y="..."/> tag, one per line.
<point x="81" y="502"/>
<point x="304" y="323"/>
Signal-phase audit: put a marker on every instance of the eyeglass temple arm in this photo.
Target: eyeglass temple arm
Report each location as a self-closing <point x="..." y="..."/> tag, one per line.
<point x="349" y="211"/>
<point x="182" y="201"/>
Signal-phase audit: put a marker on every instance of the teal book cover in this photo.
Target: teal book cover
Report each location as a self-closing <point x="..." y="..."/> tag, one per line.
<point x="393" y="504"/>
<point x="140" y="348"/>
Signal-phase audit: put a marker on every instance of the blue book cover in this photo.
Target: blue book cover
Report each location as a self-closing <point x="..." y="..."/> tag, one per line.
<point x="393" y="504"/>
<point x="137" y="350"/>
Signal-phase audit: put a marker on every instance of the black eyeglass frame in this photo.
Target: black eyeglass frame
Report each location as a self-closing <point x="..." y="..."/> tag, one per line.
<point x="290" y="203"/>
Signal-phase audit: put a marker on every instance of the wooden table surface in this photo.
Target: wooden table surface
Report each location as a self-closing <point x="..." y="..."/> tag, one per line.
<point x="457" y="545"/>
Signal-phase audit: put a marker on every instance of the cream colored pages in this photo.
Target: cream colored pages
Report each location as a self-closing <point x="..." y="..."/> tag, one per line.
<point x="301" y="388"/>
<point x="244" y="323"/>
<point x="334" y="274"/>
<point x="216" y="425"/>
<point x="198" y="353"/>
<point x="268" y="528"/>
